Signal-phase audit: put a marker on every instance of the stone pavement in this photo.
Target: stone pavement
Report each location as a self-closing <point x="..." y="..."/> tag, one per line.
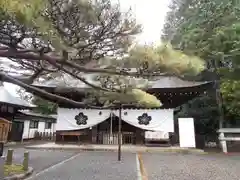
<point x="125" y="148"/>
<point x="39" y="159"/>
<point x="62" y="165"/>
<point x="92" y="166"/>
<point x="21" y="144"/>
<point x="100" y="165"/>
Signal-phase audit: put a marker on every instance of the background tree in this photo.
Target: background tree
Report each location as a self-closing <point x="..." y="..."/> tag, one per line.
<point x="44" y="39"/>
<point x="210" y="30"/>
<point x="42" y="106"/>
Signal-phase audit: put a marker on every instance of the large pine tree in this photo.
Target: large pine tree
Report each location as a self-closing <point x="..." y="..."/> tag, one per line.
<point x="46" y="38"/>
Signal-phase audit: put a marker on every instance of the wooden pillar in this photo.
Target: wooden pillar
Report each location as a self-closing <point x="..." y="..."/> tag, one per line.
<point x="139" y="137"/>
<point x="119" y="133"/>
<point x="89" y="139"/>
<point x="94" y="134"/>
<point x="29" y="129"/>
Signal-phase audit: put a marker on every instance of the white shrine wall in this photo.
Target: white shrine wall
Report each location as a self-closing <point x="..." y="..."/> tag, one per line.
<point x="28" y="133"/>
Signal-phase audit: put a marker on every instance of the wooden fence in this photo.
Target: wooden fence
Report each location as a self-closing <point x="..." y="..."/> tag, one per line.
<point x="106" y="138"/>
<point x="46" y="136"/>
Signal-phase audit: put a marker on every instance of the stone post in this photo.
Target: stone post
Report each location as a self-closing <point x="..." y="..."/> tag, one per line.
<point x="1" y="167"/>
<point x="9" y="157"/>
<point x="223" y="143"/>
<point x="25" y="161"/>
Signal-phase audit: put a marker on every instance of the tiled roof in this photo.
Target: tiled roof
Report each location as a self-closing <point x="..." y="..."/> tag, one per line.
<point x="6" y="97"/>
<point x="173" y="82"/>
<point x="66" y="81"/>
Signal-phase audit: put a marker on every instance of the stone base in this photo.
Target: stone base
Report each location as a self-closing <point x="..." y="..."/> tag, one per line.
<point x="20" y="176"/>
<point x="125" y="148"/>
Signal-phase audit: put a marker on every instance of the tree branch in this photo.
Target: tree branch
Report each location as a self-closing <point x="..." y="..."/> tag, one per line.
<point x="49" y="96"/>
<point x="58" y="60"/>
<point x="35" y="75"/>
<point x="85" y="81"/>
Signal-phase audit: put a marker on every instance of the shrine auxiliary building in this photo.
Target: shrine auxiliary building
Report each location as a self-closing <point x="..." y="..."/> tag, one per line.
<point x="23" y="122"/>
<point x="100" y="126"/>
<point x="10" y="107"/>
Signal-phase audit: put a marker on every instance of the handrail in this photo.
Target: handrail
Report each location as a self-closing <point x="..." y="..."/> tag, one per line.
<point x="229" y="138"/>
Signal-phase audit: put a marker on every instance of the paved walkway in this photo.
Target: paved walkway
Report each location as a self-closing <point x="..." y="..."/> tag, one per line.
<point x="99" y="165"/>
<point x="39" y="159"/>
<point x="125" y="148"/>
<point x="92" y="166"/>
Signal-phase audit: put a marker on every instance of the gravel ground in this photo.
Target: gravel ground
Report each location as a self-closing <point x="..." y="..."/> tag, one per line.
<point x="94" y="166"/>
<point x="191" y="167"/>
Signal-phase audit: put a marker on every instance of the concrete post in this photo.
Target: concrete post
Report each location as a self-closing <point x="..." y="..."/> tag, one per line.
<point x="25" y="161"/>
<point x="223" y="143"/>
<point x="9" y="157"/>
<point x="1" y="167"/>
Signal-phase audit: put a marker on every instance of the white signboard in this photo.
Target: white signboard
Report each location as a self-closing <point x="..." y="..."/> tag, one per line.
<point x="159" y="135"/>
<point x="186" y="132"/>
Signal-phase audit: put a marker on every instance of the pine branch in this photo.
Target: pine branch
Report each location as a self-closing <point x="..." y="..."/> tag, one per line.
<point x="57" y="61"/>
<point x="49" y="96"/>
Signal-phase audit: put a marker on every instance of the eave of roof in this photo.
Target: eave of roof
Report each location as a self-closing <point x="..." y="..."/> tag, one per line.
<point x="27" y="113"/>
<point x="7" y="98"/>
<point x="175" y="82"/>
<point x="162" y="82"/>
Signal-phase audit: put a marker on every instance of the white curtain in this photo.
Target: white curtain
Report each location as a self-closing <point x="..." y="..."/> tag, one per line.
<point x="160" y="119"/>
<point x="66" y="118"/>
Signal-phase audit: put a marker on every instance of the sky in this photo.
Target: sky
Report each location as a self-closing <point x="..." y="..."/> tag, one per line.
<point x="151" y="14"/>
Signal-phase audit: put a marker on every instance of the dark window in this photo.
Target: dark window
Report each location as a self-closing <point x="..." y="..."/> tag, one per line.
<point x="48" y="125"/>
<point x="33" y="125"/>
